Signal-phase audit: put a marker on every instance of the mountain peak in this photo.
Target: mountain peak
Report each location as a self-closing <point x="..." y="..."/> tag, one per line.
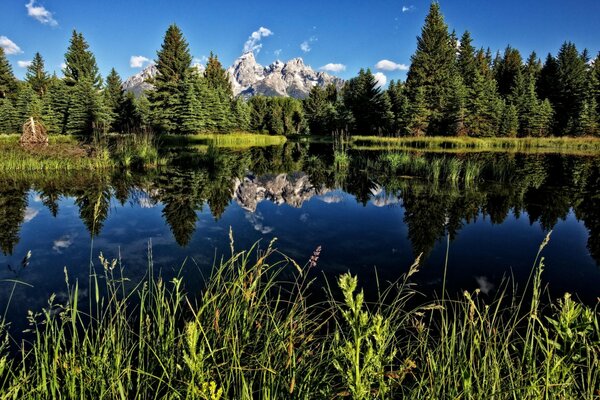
<point x="248" y="78"/>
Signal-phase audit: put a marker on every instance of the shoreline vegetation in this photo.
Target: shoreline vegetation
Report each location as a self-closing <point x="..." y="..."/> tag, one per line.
<point x="254" y="332"/>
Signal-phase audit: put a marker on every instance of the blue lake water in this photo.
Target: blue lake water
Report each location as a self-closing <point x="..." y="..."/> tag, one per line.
<point x="368" y="216"/>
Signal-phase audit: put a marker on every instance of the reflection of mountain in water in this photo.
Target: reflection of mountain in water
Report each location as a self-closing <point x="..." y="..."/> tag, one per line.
<point x="292" y="189"/>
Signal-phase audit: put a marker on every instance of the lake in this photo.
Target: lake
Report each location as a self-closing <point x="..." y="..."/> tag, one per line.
<point x="372" y="211"/>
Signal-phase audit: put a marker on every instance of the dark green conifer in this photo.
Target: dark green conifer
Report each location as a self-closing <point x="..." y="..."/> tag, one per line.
<point x="466" y="61"/>
<point x="433" y="67"/>
<point x="8" y="82"/>
<point x="174" y="68"/>
<point x="80" y="62"/>
<point x="37" y="76"/>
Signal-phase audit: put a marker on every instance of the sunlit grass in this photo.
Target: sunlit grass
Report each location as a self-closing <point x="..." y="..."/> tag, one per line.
<point x="234" y="140"/>
<point x="570" y="145"/>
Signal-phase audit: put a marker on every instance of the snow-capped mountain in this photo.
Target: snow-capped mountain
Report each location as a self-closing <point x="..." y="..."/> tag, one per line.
<point x="294" y="78"/>
<point x="137" y="83"/>
<point x="248" y="78"/>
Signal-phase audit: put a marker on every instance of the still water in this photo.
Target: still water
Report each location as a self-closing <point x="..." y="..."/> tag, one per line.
<point x="372" y="211"/>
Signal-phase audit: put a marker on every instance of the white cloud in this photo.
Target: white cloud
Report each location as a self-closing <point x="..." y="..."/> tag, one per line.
<point x="253" y="43"/>
<point x="30" y="213"/>
<point x="62" y="244"/>
<point x="304" y="46"/>
<point x="406" y="9"/>
<point x="23" y="63"/>
<point x="277" y="52"/>
<point x="63" y="65"/>
<point x="331" y="67"/>
<point x="9" y="46"/>
<point x="40" y="13"/>
<point x="138" y="61"/>
<point x="380" y="78"/>
<point x="387" y="65"/>
<point x="484" y="284"/>
<point x="331" y="199"/>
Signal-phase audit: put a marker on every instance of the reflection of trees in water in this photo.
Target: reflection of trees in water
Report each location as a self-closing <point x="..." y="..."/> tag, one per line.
<point x="13" y="203"/>
<point x="545" y="187"/>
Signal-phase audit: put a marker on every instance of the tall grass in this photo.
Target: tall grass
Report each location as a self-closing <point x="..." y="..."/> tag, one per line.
<point x="253" y="333"/>
<point x="571" y="145"/>
<point x="234" y="140"/>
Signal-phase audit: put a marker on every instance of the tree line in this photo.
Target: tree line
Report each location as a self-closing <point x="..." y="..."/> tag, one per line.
<point x="455" y="89"/>
<point x="452" y="88"/>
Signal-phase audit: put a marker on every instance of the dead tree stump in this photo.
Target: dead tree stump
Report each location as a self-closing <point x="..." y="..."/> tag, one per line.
<point x="34" y="134"/>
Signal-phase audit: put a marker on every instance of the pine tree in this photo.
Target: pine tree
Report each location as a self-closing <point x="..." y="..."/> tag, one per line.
<point x="8" y="82"/>
<point x="418" y="121"/>
<point x="466" y="61"/>
<point x="368" y="104"/>
<point x="28" y="104"/>
<point x="457" y="110"/>
<point x="509" y="124"/>
<point x="58" y="101"/>
<point x="570" y="88"/>
<point x="217" y="77"/>
<point x="508" y="71"/>
<point x="241" y="112"/>
<point x="87" y="114"/>
<point x="319" y="109"/>
<point x="484" y="107"/>
<point x="36" y="75"/>
<point x="541" y="123"/>
<point x="129" y="117"/>
<point x="8" y="118"/>
<point x="192" y="120"/>
<point x="588" y="122"/>
<point x="433" y="66"/>
<point x="174" y="68"/>
<point x="533" y="67"/>
<point x="80" y="62"/>
<point x="547" y="81"/>
<point x="399" y="107"/>
<point x="113" y="95"/>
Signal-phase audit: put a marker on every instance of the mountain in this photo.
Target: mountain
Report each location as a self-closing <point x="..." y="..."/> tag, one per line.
<point x="294" y="78"/>
<point x="248" y="78"/>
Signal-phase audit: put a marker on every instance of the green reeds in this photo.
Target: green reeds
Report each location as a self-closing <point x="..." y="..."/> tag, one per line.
<point x="252" y="332"/>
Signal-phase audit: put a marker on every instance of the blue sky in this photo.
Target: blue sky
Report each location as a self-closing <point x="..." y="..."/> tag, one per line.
<point x="353" y="34"/>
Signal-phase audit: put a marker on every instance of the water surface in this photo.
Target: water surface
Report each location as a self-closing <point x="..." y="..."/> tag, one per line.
<point x="377" y="211"/>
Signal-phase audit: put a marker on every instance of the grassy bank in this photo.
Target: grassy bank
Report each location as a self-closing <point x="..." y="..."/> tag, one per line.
<point x="252" y="333"/>
<point x="67" y="153"/>
<point x="234" y="140"/>
<point x="583" y="145"/>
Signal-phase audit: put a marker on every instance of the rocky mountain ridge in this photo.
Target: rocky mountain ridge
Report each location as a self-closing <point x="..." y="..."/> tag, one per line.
<point x="249" y="78"/>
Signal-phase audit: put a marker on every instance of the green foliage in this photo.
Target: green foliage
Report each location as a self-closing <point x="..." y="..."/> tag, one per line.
<point x="113" y="97"/>
<point x="365" y="352"/>
<point x="432" y="68"/>
<point x="509" y="123"/>
<point x="174" y="68"/>
<point x="369" y="105"/>
<point x="508" y="71"/>
<point x="80" y="63"/>
<point x="8" y="82"/>
<point x="87" y="113"/>
<point x="484" y="107"/>
<point x="9" y="120"/>
<point x="570" y="88"/>
<point x="399" y="107"/>
<point x="28" y="104"/>
<point x="37" y="76"/>
<point x="320" y="108"/>
<point x="276" y="115"/>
